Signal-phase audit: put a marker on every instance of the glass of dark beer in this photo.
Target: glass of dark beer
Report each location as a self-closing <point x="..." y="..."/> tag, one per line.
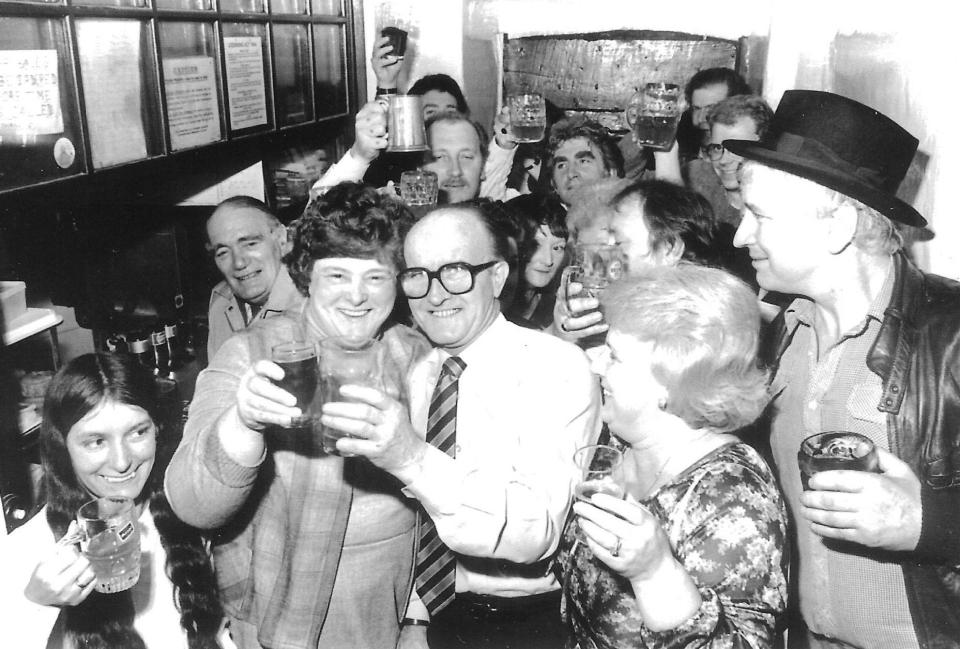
<point x="298" y="360"/>
<point x="398" y="40"/>
<point x="836" y="450"/>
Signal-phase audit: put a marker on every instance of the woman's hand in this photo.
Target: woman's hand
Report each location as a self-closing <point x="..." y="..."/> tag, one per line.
<point x="631" y="542"/>
<point x="624" y="535"/>
<point x="260" y="402"/>
<point x="64" y="578"/>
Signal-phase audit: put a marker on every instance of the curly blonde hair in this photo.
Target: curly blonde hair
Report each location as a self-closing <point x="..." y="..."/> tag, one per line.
<point x="704" y="325"/>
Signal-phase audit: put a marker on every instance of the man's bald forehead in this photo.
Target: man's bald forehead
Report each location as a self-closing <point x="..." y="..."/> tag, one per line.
<point x="466" y="220"/>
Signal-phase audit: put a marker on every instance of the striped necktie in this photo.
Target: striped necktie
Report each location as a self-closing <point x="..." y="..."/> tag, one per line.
<point x="436" y="565"/>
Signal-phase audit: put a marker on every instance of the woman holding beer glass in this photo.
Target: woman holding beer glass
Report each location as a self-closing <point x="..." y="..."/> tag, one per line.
<point x="693" y="556"/>
<point x="313" y="549"/>
<point x="102" y="437"/>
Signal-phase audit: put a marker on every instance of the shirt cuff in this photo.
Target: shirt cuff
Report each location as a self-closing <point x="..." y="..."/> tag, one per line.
<point x="434" y="482"/>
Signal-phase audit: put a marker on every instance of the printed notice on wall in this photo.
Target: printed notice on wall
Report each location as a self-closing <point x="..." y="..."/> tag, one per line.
<point x="246" y="87"/>
<point x="29" y="93"/>
<point x="110" y="65"/>
<point x="191" y="101"/>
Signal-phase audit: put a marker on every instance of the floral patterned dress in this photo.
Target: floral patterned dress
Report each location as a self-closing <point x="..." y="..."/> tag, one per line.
<point x="726" y="522"/>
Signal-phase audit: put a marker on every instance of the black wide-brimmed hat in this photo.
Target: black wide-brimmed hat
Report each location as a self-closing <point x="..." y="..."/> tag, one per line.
<point x="841" y="144"/>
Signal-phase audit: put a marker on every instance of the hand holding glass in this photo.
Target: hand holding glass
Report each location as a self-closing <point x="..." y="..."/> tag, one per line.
<point x="298" y="360"/>
<point x="345" y="362"/>
<point x="654" y="114"/>
<point x="528" y="117"/>
<point x="602" y="472"/>
<point x="836" y="450"/>
<point x="110" y="540"/>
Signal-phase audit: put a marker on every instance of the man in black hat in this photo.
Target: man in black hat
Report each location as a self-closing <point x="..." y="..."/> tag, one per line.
<point x="872" y="346"/>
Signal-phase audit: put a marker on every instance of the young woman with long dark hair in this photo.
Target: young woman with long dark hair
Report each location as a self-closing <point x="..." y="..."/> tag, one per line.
<point x="102" y="435"/>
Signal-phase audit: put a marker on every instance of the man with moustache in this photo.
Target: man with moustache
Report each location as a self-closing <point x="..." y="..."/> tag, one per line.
<point x="495" y="496"/>
<point x="247" y="242"/>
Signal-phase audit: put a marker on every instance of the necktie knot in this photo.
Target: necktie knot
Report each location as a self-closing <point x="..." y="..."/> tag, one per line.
<point x="453" y="367"/>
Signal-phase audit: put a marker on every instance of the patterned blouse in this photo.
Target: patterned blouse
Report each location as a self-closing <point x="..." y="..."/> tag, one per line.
<point x="726" y="522"/>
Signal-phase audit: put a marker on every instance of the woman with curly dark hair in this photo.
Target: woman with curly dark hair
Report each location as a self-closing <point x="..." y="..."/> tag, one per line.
<point x="102" y="436"/>
<point x="312" y="550"/>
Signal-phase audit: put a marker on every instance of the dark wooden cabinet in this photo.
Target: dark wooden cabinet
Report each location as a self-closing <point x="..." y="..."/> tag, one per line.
<point x="148" y="87"/>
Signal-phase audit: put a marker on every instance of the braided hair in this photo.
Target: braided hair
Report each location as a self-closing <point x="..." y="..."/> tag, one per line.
<point x="105" y="620"/>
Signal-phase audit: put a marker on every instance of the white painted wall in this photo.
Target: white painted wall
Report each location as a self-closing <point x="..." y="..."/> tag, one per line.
<point x="909" y="78"/>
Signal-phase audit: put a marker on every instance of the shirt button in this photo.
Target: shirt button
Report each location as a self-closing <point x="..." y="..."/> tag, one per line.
<point x="895" y="389"/>
<point x="888" y="402"/>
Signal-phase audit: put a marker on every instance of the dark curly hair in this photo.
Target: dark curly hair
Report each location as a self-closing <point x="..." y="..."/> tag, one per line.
<point x="580" y="126"/>
<point x="105" y="621"/>
<point x="442" y="83"/>
<point x="350" y="220"/>
<point x="736" y="84"/>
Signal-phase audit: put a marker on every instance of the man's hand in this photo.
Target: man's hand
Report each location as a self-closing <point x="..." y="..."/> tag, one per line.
<point x="386" y="66"/>
<point x="413" y="637"/>
<point x="877" y="510"/>
<point x="380" y="427"/>
<point x="260" y="402"/>
<point x="575" y="317"/>
<point x="502" y="134"/>
<point x="371" y="132"/>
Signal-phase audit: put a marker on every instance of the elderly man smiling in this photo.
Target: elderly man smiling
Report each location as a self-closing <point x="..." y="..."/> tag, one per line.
<point x="489" y="456"/>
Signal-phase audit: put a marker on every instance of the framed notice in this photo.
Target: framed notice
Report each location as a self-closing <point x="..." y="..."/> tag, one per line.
<point x="192" y="113"/>
<point x="110" y="62"/>
<point x="30" y="92"/>
<point x="246" y="85"/>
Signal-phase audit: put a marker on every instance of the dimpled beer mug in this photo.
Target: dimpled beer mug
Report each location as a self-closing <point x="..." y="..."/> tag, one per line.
<point x="528" y="117"/>
<point x="654" y="113"/>
<point x="110" y="540"/>
<point x="405" y="125"/>
<point x="419" y="187"/>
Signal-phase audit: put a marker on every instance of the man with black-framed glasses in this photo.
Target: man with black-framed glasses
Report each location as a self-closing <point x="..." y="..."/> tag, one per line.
<point x="494" y="475"/>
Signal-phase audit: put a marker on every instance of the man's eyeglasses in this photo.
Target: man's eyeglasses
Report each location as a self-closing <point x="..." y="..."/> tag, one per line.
<point x="457" y="278"/>
<point x="713" y="151"/>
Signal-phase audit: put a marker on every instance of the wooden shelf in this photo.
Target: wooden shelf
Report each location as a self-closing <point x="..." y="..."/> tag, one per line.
<point x="32" y="322"/>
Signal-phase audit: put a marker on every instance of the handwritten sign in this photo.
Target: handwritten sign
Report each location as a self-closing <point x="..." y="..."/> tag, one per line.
<point x="246" y="86"/>
<point x="192" y="112"/>
<point x="30" y="92"/>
